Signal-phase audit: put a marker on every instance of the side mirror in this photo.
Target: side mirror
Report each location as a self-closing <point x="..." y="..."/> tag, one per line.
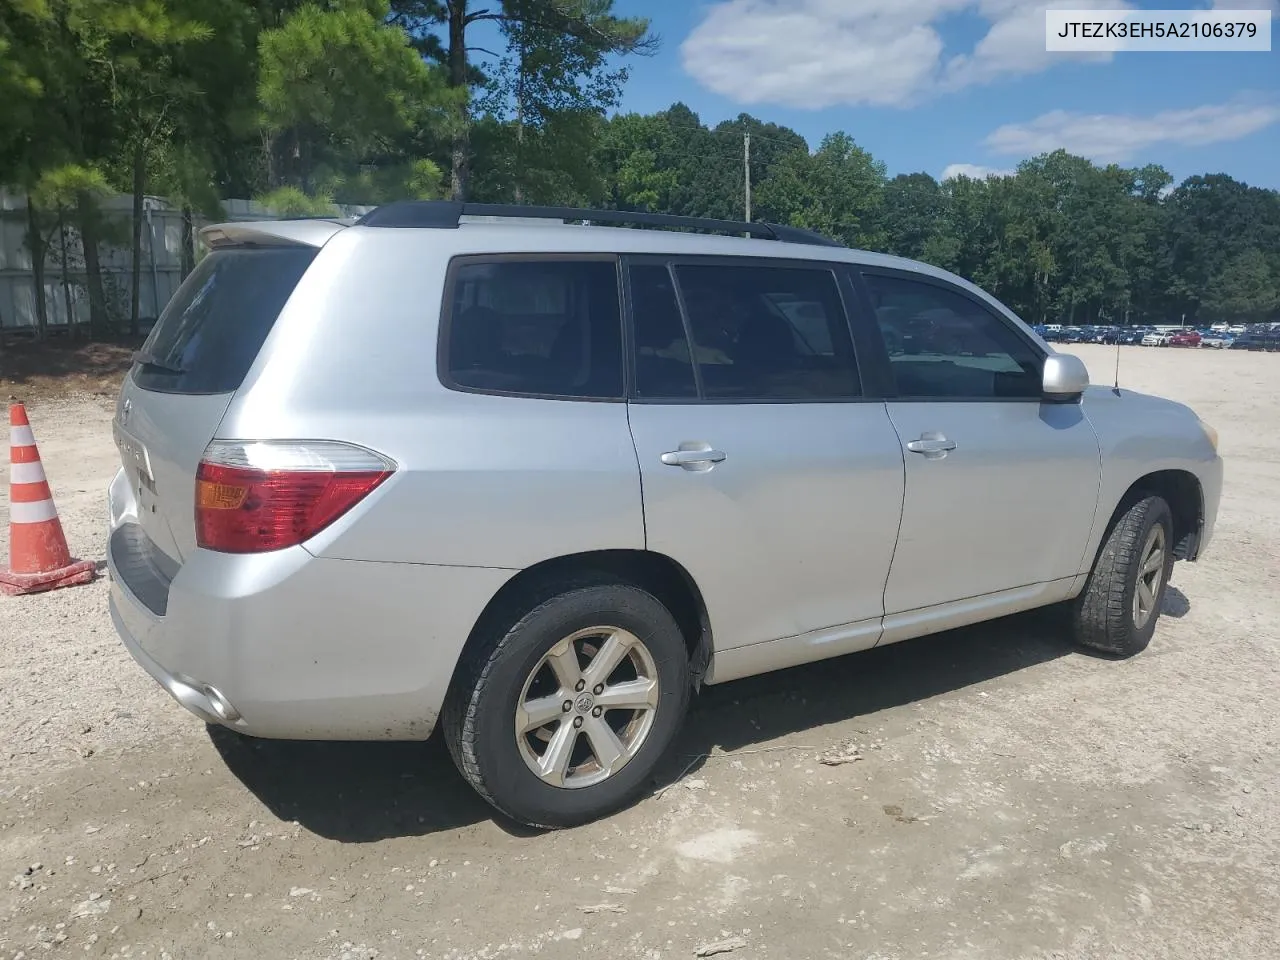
<point x="1065" y="378"/>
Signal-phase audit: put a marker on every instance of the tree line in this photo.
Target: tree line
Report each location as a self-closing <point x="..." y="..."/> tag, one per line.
<point x="306" y="104"/>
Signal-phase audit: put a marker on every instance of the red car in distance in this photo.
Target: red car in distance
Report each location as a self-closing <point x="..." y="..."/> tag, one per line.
<point x="1185" y="338"/>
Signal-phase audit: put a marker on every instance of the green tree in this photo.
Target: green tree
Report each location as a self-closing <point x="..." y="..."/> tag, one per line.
<point x="636" y="155"/>
<point x="717" y="179"/>
<point x="215" y="147"/>
<point x="550" y="163"/>
<point x="92" y="64"/>
<point x="914" y="212"/>
<point x="149" y="95"/>
<point x="1213" y="221"/>
<point x="20" y="88"/>
<point x="1246" y="289"/>
<point x="557" y="59"/>
<point x="837" y="191"/>
<point x="337" y="86"/>
<point x="549" y="92"/>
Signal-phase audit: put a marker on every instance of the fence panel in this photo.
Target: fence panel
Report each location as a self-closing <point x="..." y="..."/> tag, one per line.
<point x="65" y="279"/>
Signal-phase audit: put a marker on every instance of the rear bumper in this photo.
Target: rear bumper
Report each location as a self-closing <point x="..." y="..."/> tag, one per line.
<point x="288" y="645"/>
<point x="204" y="700"/>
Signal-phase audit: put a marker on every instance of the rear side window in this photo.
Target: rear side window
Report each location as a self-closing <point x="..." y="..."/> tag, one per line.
<point x="209" y="334"/>
<point x="664" y="365"/>
<point x="768" y="333"/>
<point x="544" y="327"/>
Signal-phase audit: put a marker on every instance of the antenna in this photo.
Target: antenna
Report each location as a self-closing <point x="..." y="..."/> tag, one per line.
<point x="1128" y="331"/>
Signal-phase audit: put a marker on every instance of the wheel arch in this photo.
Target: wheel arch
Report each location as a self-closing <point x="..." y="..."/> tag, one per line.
<point x="1182" y="491"/>
<point x="655" y="572"/>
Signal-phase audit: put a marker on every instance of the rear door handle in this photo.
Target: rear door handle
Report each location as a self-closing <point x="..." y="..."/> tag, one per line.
<point x="934" y="446"/>
<point x="702" y="459"/>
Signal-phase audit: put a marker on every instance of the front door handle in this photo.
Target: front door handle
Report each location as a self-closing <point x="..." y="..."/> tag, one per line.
<point x="703" y="458"/>
<point x="934" y="446"/>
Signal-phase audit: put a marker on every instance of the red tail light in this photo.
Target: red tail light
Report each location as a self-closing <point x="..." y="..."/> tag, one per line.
<point x="252" y="497"/>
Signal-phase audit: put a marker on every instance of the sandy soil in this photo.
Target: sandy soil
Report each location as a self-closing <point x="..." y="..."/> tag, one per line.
<point x="1013" y="798"/>
<point x="60" y="368"/>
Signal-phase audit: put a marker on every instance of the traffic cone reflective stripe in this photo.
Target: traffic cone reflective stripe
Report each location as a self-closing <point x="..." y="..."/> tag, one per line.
<point x="38" y="554"/>
<point x="26" y="471"/>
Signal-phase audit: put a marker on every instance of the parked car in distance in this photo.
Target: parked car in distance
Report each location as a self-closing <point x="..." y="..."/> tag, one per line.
<point x="1184" y="338"/>
<point x="536" y="485"/>
<point x="1268" y="341"/>
<point x="1156" y="338"/>
<point x="1217" y="341"/>
<point x="1121" y="335"/>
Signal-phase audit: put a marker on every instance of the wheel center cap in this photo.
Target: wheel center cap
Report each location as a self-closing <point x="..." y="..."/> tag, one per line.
<point x="584" y="703"/>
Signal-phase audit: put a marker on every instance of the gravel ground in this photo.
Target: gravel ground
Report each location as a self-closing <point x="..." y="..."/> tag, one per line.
<point x="992" y="793"/>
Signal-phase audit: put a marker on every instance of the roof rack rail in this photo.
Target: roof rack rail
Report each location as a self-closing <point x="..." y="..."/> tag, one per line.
<point x="446" y="214"/>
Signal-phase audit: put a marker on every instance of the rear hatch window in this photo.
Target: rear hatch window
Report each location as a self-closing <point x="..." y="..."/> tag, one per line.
<point x="208" y="336"/>
<point x="182" y="384"/>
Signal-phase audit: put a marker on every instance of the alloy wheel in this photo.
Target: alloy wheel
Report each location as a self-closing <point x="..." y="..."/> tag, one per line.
<point x="1150" y="575"/>
<point x="587" y="707"/>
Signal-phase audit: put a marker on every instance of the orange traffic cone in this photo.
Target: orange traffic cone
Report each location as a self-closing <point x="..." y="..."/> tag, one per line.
<point x="38" y="554"/>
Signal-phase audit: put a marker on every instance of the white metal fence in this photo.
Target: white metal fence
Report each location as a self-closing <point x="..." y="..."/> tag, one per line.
<point x="65" y="281"/>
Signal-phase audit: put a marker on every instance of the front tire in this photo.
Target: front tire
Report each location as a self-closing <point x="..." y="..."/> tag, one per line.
<point x="562" y="718"/>
<point x="1117" y="612"/>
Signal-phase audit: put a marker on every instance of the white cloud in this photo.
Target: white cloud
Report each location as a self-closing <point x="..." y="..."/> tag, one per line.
<point x="974" y="171"/>
<point x="1116" y="138"/>
<point x="820" y="53"/>
<point x="817" y="53"/>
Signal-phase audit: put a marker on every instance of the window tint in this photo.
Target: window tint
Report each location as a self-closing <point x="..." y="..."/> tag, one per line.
<point x="212" y="329"/>
<point x="768" y="333"/>
<point x="942" y="344"/>
<point x="543" y="327"/>
<point x="664" y="369"/>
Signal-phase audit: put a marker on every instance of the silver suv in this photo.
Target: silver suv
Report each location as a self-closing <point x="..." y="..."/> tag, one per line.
<point x="534" y="482"/>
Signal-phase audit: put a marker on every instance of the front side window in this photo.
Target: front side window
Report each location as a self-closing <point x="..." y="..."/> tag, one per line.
<point x="754" y="333"/>
<point x="943" y="345"/>
<point x="539" y="327"/>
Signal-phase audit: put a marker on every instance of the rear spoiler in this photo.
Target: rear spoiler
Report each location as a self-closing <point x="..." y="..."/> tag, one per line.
<point x="288" y="233"/>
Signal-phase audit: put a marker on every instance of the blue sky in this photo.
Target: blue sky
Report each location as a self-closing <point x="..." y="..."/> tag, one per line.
<point x="932" y="84"/>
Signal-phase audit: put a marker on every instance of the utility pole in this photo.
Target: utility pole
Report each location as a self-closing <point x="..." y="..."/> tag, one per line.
<point x="746" y="170"/>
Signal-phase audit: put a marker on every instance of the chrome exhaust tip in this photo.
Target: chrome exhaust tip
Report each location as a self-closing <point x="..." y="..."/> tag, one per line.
<point x="220" y="704"/>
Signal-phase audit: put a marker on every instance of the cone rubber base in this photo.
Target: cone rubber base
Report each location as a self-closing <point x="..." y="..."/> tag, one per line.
<point x="16" y="584"/>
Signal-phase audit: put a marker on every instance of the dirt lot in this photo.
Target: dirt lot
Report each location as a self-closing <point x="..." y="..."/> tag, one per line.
<point x="32" y="371"/>
<point x="1013" y="798"/>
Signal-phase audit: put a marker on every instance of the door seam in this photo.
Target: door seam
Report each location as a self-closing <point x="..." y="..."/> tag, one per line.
<point x="902" y="509"/>
<point x="1081" y="569"/>
<point x="644" y="514"/>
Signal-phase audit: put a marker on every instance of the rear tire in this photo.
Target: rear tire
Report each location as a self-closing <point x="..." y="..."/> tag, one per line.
<point x="585" y="760"/>
<point x="1116" y="613"/>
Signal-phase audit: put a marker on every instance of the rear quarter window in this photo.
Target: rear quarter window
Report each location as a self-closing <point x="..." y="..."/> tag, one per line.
<point x="543" y="327"/>
<point x="210" y="333"/>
